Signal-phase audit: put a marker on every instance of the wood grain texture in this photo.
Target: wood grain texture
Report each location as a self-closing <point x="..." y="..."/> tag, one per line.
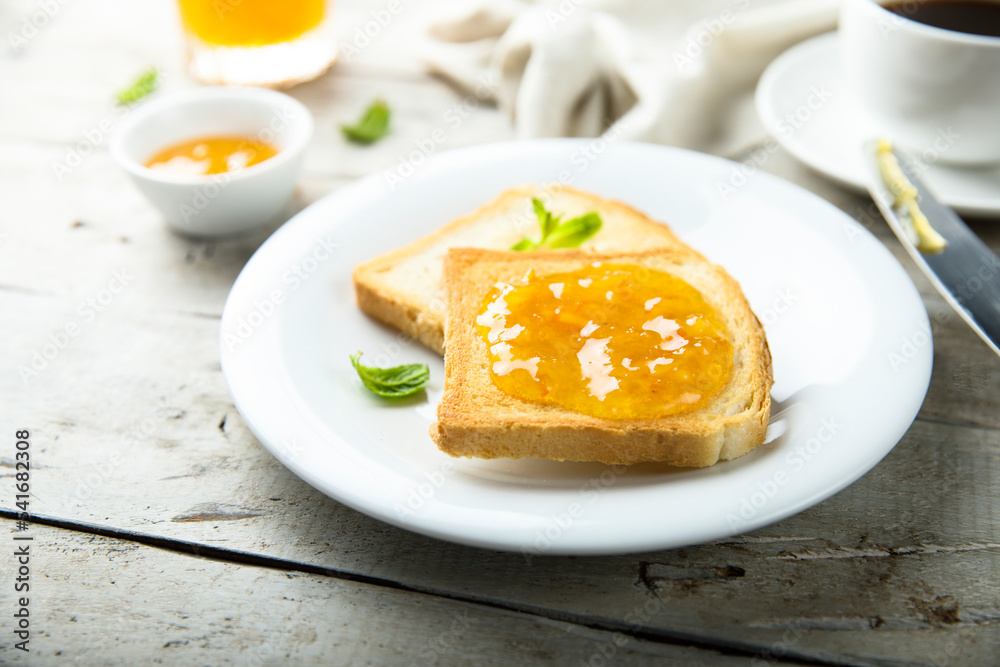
<point x="97" y="600"/>
<point x="887" y="570"/>
<point x="134" y="430"/>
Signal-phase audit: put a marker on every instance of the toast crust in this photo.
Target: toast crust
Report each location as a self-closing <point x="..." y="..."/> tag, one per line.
<point x="404" y="287"/>
<point x="476" y="419"/>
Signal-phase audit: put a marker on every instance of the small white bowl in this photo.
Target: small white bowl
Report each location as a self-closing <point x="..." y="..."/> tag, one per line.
<point x="224" y="204"/>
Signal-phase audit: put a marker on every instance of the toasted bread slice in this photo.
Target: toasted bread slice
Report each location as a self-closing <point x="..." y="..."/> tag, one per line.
<point x="404" y="288"/>
<point x="476" y="419"/>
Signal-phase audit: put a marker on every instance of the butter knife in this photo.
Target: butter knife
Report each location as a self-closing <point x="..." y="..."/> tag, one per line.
<point x="966" y="272"/>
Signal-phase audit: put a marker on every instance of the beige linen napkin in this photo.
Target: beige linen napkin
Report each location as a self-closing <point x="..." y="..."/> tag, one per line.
<point x="676" y="72"/>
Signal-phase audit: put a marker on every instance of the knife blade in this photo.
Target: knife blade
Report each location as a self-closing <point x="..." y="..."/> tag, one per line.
<point x="966" y="272"/>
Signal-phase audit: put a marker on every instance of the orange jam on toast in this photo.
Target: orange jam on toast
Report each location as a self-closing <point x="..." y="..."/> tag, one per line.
<point x="615" y="341"/>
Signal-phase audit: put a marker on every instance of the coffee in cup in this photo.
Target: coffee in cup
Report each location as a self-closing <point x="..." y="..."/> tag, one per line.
<point x="927" y="72"/>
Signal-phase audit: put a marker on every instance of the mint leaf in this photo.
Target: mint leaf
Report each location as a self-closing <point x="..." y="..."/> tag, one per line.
<point x="573" y="232"/>
<point x="144" y="85"/>
<point x="372" y="126"/>
<point x="556" y="234"/>
<point x="395" y="382"/>
<point x="547" y="221"/>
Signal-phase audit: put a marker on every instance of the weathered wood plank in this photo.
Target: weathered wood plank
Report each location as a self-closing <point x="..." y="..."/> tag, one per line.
<point x="97" y="600"/>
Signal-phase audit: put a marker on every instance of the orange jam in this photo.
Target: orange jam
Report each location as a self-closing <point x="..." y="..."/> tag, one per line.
<point x="211" y="155"/>
<point x="250" y="22"/>
<point x="615" y="341"/>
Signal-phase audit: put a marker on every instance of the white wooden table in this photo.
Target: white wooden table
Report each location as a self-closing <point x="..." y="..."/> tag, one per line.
<point x="163" y="532"/>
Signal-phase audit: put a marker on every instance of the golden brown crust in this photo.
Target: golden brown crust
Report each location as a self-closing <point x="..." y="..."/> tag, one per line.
<point x="407" y="317"/>
<point x="383" y="287"/>
<point x="476" y="419"/>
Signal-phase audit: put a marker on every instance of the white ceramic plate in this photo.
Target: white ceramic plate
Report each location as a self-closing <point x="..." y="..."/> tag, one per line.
<point x="803" y="103"/>
<point x="847" y="329"/>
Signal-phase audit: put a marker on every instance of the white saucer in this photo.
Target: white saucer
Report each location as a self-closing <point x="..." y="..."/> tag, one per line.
<point x="829" y="137"/>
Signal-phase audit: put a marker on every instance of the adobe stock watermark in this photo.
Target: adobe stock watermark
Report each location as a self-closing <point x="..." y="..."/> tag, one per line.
<point x="795" y="460"/>
<point x="456" y="115"/>
<point x="88" y="310"/>
<point x="918" y="161"/>
<point x="289" y="448"/>
<point x="866" y="216"/>
<point x="368" y="32"/>
<point x="944" y="655"/>
<point x="890" y="22"/>
<point x="420" y="494"/>
<point x="453" y="118"/>
<point x="141" y="432"/>
<point x="448" y="641"/>
<point x="32" y="25"/>
<point x="526" y="222"/>
<point x="636" y="618"/>
<point x="560" y="523"/>
<point x="787" y="125"/>
<point x="94" y="137"/>
<point x="387" y="353"/>
<point x="987" y="272"/>
<point x="214" y="186"/>
<point x="302" y="622"/>
<point x="266" y="305"/>
<point x="703" y="34"/>
<point x="204" y="194"/>
<point x="792" y="635"/>
<point x="908" y="346"/>
<point x="782" y="303"/>
<point x="560" y="12"/>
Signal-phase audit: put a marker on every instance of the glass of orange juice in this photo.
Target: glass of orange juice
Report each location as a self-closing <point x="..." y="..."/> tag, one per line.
<point x="257" y="42"/>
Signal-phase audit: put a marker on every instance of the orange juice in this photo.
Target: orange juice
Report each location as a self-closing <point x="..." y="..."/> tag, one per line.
<point x="211" y="155"/>
<point x="244" y="23"/>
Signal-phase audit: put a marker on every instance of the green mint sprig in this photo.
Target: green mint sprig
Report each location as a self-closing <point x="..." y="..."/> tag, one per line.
<point x="395" y="382"/>
<point x="372" y="126"/>
<point x="147" y="82"/>
<point x="556" y="234"/>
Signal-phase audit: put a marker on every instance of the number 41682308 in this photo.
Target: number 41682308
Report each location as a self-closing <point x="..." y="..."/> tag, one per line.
<point x="22" y="466"/>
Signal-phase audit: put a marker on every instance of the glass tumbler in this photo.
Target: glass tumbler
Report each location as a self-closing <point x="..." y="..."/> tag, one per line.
<point x="273" y="43"/>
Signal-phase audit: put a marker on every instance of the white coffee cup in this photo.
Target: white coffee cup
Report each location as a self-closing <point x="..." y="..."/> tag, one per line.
<point x="931" y="90"/>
